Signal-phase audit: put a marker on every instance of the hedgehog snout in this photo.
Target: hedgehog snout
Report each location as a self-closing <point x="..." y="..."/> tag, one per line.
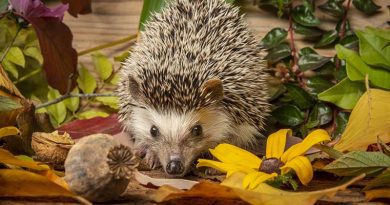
<point x="175" y="166"/>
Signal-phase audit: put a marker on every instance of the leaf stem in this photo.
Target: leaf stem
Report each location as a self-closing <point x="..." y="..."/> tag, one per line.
<point x="10" y="45"/>
<point x="109" y="44"/>
<point x="294" y="66"/>
<point x="344" y="22"/>
<point x="27" y="76"/>
<point x="70" y="95"/>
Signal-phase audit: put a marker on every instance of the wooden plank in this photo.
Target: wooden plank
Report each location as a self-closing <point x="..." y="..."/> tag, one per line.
<point x="112" y="20"/>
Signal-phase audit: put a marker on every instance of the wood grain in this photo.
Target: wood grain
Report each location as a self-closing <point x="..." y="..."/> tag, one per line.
<point x="115" y="19"/>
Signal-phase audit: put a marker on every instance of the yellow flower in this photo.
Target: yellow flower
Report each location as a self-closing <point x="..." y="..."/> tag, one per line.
<point x="277" y="161"/>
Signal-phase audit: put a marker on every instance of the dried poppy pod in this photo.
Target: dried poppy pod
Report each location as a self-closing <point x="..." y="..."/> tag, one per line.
<point x="99" y="168"/>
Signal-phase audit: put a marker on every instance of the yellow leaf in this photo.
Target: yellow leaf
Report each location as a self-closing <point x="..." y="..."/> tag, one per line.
<point x="21" y="183"/>
<point x="370" y="118"/>
<point x="377" y="193"/>
<point x="231" y="189"/>
<point x="267" y="195"/>
<point x="7" y="158"/>
<point x="8" y="131"/>
<point x="49" y="174"/>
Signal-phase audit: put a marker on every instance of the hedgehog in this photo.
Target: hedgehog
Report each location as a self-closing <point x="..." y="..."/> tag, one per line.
<point x="196" y="78"/>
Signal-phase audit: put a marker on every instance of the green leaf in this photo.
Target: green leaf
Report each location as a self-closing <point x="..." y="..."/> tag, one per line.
<point x="58" y="110"/>
<point x="318" y="84"/>
<point x="15" y="55"/>
<point x="299" y="96"/>
<point x="328" y="38"/>
<point x="382" y="180"/>
<point x="327" y="70"/>
<point x="11" y="68"/>
<point x="73" y="104"/>
<point x="149" y="7"/>
<point x="274" y="38"/>
<point x="311" y="61"/>
<point x="109" y="101"/>
<point x="341" y="123"/>
<point x="86" y="81"/>
<point x="33" y="52"/>
<point x="8" y="104"/>
<point x="122" y="57"/>
<point x="114" y="79"/>
<point x="288" y="115"/>
<point x="345" y="94"/>
<point x="366" y="6"/>
<point x="373" y="50"/>
<point x="358" y="162"/>
<point x="278" y="53"/>
<point x="350" y="41"/>
<point x="103" y="65"/>
<point x="306" y="51"/>
<point x="303" y="15"/>
<point x="357" y="69"/>
<point x="3" y="6"/>
<point x="91" y="114"/>
<point x="381" y="33"/>
<point x="275" y="90"/>
<point x="321" y="114"/>
<point x="308" y="32"/>
<point x="333" y="7"/>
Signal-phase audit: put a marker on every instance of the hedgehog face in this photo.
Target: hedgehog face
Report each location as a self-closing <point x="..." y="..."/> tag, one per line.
<point x="177" y="139"/>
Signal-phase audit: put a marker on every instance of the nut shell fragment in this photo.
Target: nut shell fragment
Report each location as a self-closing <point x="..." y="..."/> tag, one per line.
<point x="51" y="148"/>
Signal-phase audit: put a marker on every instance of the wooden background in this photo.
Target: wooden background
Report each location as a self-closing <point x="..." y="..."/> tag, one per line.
<point x="114" y="19"/>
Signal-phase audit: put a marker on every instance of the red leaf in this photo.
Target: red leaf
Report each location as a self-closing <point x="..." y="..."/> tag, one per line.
<point x="60" y="58"/>
<point x="78" y="6"/>
<point x="80" y="128"/>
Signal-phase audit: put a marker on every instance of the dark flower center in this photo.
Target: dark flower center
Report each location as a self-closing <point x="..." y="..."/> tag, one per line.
<point x="271" y="165"/>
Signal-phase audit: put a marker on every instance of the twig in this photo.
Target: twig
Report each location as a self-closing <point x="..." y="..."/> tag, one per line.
<point x="342" y="30"/>
<point x="107" y="45"/>
<point x="70" y="95"/>
<point x="344" y="21"/>
<point x="10" y="45"/>
<point x="294" y="66"/>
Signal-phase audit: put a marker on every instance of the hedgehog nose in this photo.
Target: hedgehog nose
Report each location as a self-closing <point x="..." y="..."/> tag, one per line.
<point x="175" y="167"/>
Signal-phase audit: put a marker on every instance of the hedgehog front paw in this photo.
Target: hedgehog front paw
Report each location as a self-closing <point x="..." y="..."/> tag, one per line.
<point x="152" y="160"/>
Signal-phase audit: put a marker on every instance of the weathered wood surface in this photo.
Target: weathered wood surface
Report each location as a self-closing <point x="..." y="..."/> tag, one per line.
<point x="115" y="19"/>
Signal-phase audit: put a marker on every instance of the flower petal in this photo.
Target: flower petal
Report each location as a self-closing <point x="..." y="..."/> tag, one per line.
<point x="276" y="143"/>
<point x="223" y="167"/>
<point x="253" y="179"/>
<point x="302" y="167"/>
<point x="234" y="155"/>
<point x="313" y="138"/>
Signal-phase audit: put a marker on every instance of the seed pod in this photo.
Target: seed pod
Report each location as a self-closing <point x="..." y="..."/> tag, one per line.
<point x="99" y="168"/>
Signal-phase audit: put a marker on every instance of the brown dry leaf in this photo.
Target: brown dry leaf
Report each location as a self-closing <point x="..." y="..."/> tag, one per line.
<point x="7" y="158"/>
<point x="7" y="88"/>
<point x="8" y="131"/>
<point x="369" y="119"/>
<point x="377" y="193"/>
<point x="21" y="183"/>
<point x="268" y="195"/>
<point x="203" y="189"/>
<point x="176" y="183"/>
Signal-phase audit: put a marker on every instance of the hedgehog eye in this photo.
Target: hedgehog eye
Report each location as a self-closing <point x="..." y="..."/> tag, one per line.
<point x="197" y="130"/>
<point x="154" y="131"/>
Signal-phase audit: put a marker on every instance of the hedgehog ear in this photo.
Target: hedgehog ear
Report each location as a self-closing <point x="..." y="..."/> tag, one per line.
<point x="134" y="88"/>
<point x="213" y="90"/>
